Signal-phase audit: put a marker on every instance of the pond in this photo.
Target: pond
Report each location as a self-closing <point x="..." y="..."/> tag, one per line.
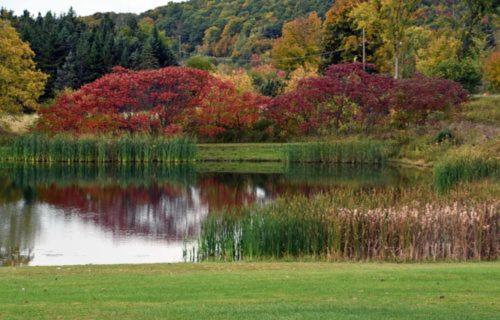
<point x="70" y="215"/>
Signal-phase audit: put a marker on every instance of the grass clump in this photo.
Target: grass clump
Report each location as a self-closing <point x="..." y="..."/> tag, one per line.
<point x="302" y="228"/>
<point x="352" y="151"/>
<point x="464" y="167"/>
<point x="65" y="149"/>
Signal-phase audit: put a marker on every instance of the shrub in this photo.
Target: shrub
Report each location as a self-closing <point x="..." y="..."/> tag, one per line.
<point x="467" y="72"/>
<point x="200" y="63"/>
<point x="416" y="98"/>
<point x="444" y="135"/>
<point x="167" y="101"/>
<point x="345" y="95"/>
<point x="268" y="81"/>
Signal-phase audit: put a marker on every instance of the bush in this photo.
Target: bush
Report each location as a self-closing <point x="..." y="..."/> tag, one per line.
<point x="200" y="63"/>
<point x="347" y="99"/>
<point x="466" y="72"/>
<point x="167" y="101"/>
<point x="268" y="81"/>
<point x="444" y="135"/>
<point x="416" y="98"/>
<point x="321" y="105"/>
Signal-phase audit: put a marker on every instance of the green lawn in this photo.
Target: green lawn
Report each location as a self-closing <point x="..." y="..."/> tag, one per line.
<point x="240" y="152"/>
<point x="253" y="291"/>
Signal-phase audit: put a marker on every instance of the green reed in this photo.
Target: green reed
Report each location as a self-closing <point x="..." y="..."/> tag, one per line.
<point x="302" y="228"/>
<point x="464" y="168"/>
<point x="350" y="151"/>
<point x="128" y="149"/>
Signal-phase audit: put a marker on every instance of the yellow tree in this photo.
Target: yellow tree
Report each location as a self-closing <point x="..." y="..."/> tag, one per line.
<point x="492" y="71"/>
<point x="342" y="40"/>
<point x="20" y="83"/>
<point x="393" y="21"/>
<point x="300" y="44"/>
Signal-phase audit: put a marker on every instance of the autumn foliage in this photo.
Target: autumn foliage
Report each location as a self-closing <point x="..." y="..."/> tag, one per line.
<point x="177" y="100"/>
<point x="348" y="98"/>
<point x="167" y="101"/>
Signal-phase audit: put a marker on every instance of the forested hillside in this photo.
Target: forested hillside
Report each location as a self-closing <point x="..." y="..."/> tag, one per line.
<point x="235" y="28"/>
<point x="277" y="41"/>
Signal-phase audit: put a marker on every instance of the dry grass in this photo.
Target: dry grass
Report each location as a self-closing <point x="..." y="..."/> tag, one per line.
<point x="19" y="124"/>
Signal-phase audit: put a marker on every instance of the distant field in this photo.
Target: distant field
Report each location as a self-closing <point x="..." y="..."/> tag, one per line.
<point x="253" y="291"/>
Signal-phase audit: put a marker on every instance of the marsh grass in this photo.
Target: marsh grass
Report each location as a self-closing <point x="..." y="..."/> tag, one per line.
<point x="464" y="167"/>
<point x="301" y="229"/>
<point x="65" y="149"/>
<point x="349" y="151"/>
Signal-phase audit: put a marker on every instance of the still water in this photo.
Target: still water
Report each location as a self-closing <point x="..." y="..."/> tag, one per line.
<point x="69" y="215"/>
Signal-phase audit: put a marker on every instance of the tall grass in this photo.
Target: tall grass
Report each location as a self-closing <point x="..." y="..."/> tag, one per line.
<point x="351" y="151"/>
<point x="464" y="168"/>
<point x="303" y="229"/>
<point x="64" y="149"/>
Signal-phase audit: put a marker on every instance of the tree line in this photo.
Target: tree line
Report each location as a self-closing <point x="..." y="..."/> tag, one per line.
<point x="73" y="51"/>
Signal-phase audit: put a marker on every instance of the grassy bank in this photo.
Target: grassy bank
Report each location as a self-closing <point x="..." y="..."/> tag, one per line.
<point x="253" y="291"/>
<point x="65" y="149"/>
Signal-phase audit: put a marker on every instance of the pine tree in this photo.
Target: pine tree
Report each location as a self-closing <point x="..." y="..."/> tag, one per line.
<point x="148" y="59"/>
<point x="67" y="74"/>
<point x="162" y="52"/>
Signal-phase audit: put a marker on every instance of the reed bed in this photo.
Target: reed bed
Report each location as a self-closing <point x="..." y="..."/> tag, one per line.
<point x="464" y="168"/>
<point x="299" y="229"/>
<point x="65" y="149"/>
<point x="351" y="151"/>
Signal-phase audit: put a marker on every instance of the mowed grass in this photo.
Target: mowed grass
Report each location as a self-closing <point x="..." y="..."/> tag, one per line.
<point x="253" y="291"/>
<point x="262" y="152"/>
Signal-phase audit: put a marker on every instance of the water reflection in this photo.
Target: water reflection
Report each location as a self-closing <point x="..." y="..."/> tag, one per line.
<point x="55" y="215"/>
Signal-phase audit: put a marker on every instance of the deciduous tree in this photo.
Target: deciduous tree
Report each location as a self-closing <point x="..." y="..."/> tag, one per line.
<point x="299" y="45"/>
<point x="21" y="84"/>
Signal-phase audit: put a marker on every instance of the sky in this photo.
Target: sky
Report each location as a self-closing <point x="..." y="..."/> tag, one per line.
<point x="82" y="7"/>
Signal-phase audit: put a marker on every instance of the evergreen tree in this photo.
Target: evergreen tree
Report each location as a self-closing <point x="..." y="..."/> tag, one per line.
<point x="148" y="59"/>
<point x="67" y="74"/>
<point x="162" y="52"/>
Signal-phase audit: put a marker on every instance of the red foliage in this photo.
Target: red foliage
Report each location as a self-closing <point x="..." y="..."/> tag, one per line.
<point x="414" y="99"/>
<point x="169" y="101"/>
<point x="347" y="94"/>
<point x="177" y="100"/>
